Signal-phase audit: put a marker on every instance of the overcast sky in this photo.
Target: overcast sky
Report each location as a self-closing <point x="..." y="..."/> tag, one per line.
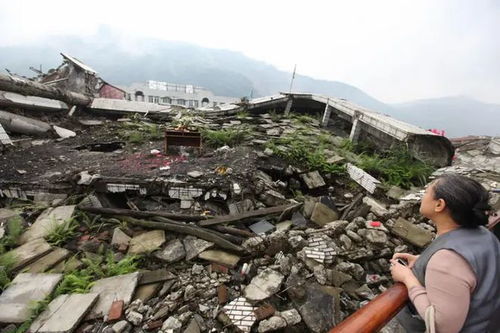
<point x="396" y="50"/>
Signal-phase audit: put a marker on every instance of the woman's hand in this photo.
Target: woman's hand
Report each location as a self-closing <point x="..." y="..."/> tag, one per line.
<point x="404" y="274"/>
<point x="409" y="258"/>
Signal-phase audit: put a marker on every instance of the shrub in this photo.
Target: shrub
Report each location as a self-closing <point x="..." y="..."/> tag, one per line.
<point x="302" y="153"/>
<point x="219" y="138"/>
<point x="61" y="233"/>
<point x="396" y="167"/>
<point x="81" y="281"/>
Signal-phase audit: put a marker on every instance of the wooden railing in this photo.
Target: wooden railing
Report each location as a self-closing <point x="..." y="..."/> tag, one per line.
<point x="373" y="316"/>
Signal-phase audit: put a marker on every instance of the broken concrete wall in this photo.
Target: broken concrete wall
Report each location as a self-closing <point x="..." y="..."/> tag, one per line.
<point x="433" y="149"/>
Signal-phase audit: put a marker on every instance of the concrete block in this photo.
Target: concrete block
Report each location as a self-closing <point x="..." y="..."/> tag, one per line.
<point x="48" y="261"/>
<point x="322" y="215"/>
<point x="220" y="257"/>
<point x="25" y="289"/>
<point x="29" y="252"/>
<point x="45" y="223"/>
<point x="412" y="233"/>
<point x="63" y="314"/>
<point x="147" y="242"/>
<point x="110" y="289"/>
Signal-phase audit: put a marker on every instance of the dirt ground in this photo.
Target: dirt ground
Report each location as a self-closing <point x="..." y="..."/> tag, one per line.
<point x="99" y="150"/>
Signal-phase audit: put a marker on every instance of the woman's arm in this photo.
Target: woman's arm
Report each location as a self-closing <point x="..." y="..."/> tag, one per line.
<point x="449" y="282"/>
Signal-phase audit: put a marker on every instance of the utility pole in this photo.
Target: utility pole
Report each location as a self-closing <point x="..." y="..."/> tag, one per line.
<point x="293" y="77"/>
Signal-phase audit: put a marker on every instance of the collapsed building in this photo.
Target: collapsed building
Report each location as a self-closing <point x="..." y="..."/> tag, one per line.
<point x="127" y="215"/>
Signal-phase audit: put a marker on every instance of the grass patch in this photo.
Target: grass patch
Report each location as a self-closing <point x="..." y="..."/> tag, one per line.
<point x="393" y="167"/>
<point x="275" y="116"/>
<point x="301" y="152"/>
<point x="303" y="119"/>
<point x="78" y="282"/>
<point x="8" y="260"/>
<point x="82" y="280"/>
<point x="397" y="168"/>
<point x="242" y="114"/>
<point x="140" y="132"/>
<point x="93" y="224"/>
<point x="224" y="137"/>
<point x="61" y="233"/>
<point x="14" y="230"/>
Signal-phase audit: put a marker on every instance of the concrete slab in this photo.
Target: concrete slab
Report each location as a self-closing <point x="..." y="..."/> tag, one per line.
<point x="313" y="180"/>
<point x="120" y="238"/>
<point x="262" y="227"/>
<point x="45" y="223"/>
<point x="67" y="266"/>
<point x="158" y="275"/>
<point x="147" y="291"/>
<point x="284" y="226"/>
<point x="147" y="242"/>
<point x="220" y="257"/>
<point x="25" y="289"/>
<point x="174" y="251"/>
<point x="195" y="246"/>
<point x="48" y="261"/>
<point x="264" y="285"/>
<point x="322" y="214"/>
<point x="412" y="233"/>
<point x="63" y="314"/>
<point x="119" y="287"/>
<point x="29" y="252"/>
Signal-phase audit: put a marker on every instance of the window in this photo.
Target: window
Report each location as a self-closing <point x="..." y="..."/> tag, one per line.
<point x="139" y="96"/>
<point x="150" y="99"/>
<point x="195" y="104"/>
<point x="181" y="101"/>
<point x="204" y="101"/>
<point x="167" y="100"/>
<point x="191" y="103"/>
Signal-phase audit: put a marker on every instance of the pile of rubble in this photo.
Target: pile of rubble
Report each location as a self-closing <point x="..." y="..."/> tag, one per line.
<point x="111" y="230"/>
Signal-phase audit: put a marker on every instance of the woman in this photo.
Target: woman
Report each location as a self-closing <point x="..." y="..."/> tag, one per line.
<point x="455" y="283"/>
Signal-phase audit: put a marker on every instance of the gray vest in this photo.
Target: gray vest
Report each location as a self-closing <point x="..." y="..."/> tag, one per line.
<point x="481" y="249"/>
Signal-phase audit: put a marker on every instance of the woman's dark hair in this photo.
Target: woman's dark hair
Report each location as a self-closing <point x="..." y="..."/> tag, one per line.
<point x="466" y="199"/>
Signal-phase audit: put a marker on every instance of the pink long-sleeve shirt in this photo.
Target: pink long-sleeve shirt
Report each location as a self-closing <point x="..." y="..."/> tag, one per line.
<point x="449" y="283"/>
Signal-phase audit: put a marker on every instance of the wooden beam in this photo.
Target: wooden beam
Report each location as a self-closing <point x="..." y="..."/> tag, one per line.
<point x="183" y="228"/>
<point x="247" y="215"/>
<point x="135" y="213"/>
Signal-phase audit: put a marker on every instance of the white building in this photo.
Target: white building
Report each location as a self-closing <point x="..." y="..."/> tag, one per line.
<point x="175" y="94"/>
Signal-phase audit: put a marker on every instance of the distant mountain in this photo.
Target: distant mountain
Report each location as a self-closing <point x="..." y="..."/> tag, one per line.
<point x="226" y="73"/>
<point x="230" y="73"/>
<point x="458" y="116"/>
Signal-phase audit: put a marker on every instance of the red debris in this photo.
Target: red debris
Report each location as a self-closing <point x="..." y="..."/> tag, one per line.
<point x="116" y="310"/>
<point x="84" y="238"/>
<point x="219" y="268"/>
<point x="375" y="224"/>
<point x="222" y="294"/>
<point x="264" y="311"/>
